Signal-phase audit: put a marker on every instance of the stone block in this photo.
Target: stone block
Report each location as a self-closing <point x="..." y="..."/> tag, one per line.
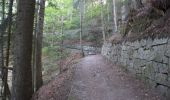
<point x="136" y="45"/>
<point x="141" y="53"/>
<point x="124" y="55"/>
<point x="159" y="53"/>
<point x="138" y="70"/>
<point x="169" y="80"/>
<point x="149" y="43"/>
<point x="131" y="69"/>
<point x="135" y="54"/>
<point x="148" y="54"/>
<point x="165" y="60"/>
<point x="125" y="48"/>
<point x="157" y="41"/>
<point x="156" y="67"/>
<point x="149" y="71"/>
<point x="142" y="43"/>
<point x="158" y="58"/>
<point x="167" y="52"/>
<point x="168" y="94"/>
<point x="163" y="68"/>
<point x="139" y="62"/>
<point x="131" y="64"/>
<point x="163" y="90"/>
<point x="152" y="83"/>
<point x="161" y="78"/>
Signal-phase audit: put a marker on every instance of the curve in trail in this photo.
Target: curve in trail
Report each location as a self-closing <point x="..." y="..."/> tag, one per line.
<point x="96" y="78"/>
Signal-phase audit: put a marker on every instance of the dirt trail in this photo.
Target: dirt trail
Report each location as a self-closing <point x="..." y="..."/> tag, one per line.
<point x="97" y="79"/>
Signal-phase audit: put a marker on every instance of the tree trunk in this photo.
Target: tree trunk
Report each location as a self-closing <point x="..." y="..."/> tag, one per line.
<point x="1" y="35"/>
<point x="102" y="21"/>
<point x="39" y="80"/>
<point x="81" y="26"/>
<point x="34" y="60"/>
<point x="62" y="41"/>
<point x="6" y="88"/>
<point x="108" y="15"/>
<point x="92" y="4"/>
<point x="115" y="16"/>
<point x="3" y="9"/>
<point x="84" y="7"/>
<point x="22" y="73"/>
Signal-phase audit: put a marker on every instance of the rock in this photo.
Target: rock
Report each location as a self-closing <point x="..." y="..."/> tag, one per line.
<point x="161" y="78"/>
<point x="163" y="90"/>
<point x="160" y="41"/>
<point x="163" y="68"/>
<point x="167" y="53"/>
<point x="149" y="59"/>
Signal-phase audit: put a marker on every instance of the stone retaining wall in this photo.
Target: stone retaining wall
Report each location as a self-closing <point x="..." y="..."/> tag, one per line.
<point x="148" y="59"/>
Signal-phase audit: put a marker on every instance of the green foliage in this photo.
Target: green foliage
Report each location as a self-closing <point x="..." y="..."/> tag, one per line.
<point x="45" y="51"/>
<point x="72" y="24"/>
<point x="52" y="51"/>
<point x="93" y="12"/>
<point x="54" y="11"/>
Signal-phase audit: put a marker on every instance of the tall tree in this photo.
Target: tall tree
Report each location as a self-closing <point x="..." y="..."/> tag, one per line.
<point x="2" y="28"/>
<point x="39" y="80"/>
<point x="6" y="88"/>
<point x="3" y="8"/>
<point x="108" y="9"/>
<point x="115" y="15"/>
<point x="34" y="60"/>
<point x="102" y="21"/>
<point x="81" y="25"/>
<point x="22" y="72"/>
<point x="62" y="41"/>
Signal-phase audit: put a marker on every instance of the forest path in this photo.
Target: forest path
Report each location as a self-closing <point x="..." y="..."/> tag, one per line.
<point x="96" y="78"/>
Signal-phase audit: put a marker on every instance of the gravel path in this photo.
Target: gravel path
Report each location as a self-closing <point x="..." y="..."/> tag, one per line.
<point x="97" y="79"/>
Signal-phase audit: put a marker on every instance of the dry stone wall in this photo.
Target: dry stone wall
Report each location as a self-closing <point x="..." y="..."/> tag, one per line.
<point x="148" y="59"/>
